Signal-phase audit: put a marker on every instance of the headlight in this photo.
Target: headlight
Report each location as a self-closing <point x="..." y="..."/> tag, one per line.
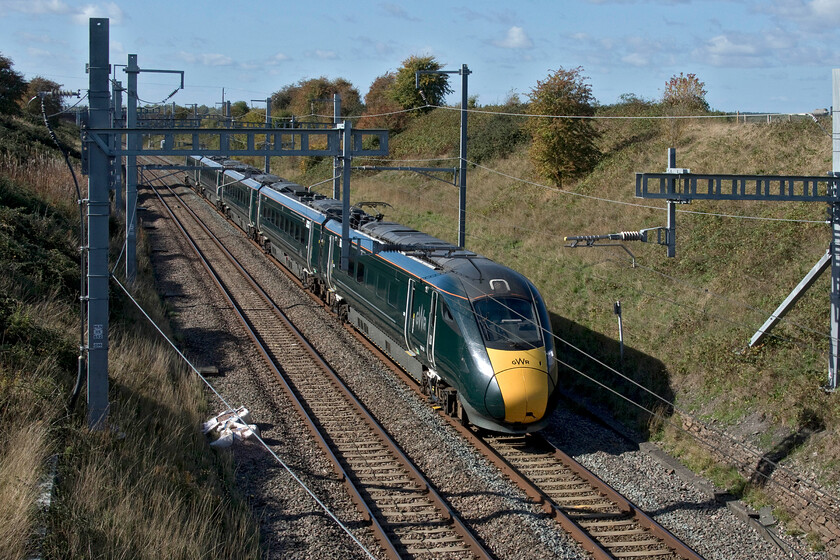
<point x="549" y="358"/>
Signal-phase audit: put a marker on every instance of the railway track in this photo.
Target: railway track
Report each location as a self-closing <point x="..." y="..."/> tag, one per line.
<point x="601" y="520"/>
<point x="407" y="515"/>
<point x="605" y="523"/>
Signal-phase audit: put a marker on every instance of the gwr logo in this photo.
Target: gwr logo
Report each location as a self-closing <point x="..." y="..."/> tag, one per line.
<point x="520" y="362"/>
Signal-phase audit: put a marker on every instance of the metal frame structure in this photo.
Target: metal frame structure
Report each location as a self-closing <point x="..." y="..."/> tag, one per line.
<point x="103" y="146"/>
<point x="680" y="186"/>
<point x="464" y="72"/>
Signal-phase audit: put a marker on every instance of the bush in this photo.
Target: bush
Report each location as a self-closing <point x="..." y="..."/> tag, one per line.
<point x="494" y="136"/>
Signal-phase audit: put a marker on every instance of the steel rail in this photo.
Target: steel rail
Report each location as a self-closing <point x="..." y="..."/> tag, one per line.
<point x="446" y="511"/>
<point x="534" y="492"/>
<point x="354" y="493"/>
<point x="526" y="484"/>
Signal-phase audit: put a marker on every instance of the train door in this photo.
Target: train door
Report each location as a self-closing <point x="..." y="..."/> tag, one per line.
<point x="330" y="263"/>
<point x="430" y="337"/>
<point x="310" y="244"/>
<point x="417" y="319"/>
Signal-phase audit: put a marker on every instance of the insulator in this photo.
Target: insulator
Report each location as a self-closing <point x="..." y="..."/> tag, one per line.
<point x="630" y="235"/>
<point x="60" y="93"/>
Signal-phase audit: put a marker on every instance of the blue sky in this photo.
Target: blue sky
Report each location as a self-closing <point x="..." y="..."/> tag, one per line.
<point x="758" y="56"/>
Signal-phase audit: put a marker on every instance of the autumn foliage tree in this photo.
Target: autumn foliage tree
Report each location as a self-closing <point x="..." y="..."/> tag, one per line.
<point x="563" y="147"/>
<point x="315" y="96"/>
<point x="684" y="95"/>
<point x="381" y="109"/>
<point x="686" y="92"/>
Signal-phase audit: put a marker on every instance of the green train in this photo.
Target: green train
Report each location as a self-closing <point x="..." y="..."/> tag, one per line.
<point x="474" y="333"/>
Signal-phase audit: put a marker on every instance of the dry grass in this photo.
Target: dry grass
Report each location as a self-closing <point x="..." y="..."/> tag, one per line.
<point x="147" y="487"/>
<point x="25" y="446"/>
<point x="46" y="176"/>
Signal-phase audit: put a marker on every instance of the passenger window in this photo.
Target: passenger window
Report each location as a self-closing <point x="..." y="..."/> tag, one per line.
<point x="360" y="271"/>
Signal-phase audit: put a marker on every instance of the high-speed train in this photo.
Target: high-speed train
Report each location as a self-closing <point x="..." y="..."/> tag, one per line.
<point x="474" y="333"/>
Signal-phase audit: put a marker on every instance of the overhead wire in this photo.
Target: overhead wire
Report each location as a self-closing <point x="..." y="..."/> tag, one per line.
<point x="763" y="460"/>
<point x="621" y="202"/>
<point x="67" y="110"/>
<point x="473" y="110"/>
<point x="638" y="264"/>
<point x="668" y="404"/>
<point x="77" y="386"/>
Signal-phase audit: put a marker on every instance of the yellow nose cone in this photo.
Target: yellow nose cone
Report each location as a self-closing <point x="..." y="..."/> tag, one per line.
<point x="523" y="381"/>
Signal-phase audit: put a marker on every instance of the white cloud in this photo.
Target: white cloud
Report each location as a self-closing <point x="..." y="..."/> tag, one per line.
<point x="36" y="6"/>
<point x="744" y="52"/>
<point x="206" y="59"/>
<point x="635" y="59"/>
<point x="397" y="11"/>
<point x="43" y="39"/>
<point x="724" y="46"/>
<point x="280" y="57"/>
<point x="516" y="38"/>
<point x="323" y="55"/>
<point x="39" y="53"/>
<point x="109" y="10"/>
<point x="825" y="9"/>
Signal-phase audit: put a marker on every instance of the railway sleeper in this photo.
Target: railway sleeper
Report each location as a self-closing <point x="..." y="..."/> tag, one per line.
<point x="643" y="553"/>
<point x="620" y="544"/>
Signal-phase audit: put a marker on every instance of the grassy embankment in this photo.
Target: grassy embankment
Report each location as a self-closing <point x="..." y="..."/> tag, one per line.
<point x="148" y="486"/>
<point x="687" y="320"/>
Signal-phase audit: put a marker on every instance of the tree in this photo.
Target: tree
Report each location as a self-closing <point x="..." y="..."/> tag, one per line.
<point x="239" y="109"/>
<point x="563" y="147"/>
<point x="434" y="87"/>
<point x="52" y="102"/>
<point x="684" y="95"/>
<point x="12" y="86"/>
<point x="315" y="96"/>
<point x="380" y="103"/>
<point x="685" y="92"/>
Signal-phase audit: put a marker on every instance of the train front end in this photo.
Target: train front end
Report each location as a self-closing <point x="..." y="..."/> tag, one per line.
<point x="511" y="382"/>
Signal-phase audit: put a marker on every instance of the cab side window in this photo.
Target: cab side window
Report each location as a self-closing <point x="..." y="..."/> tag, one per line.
<point x="446" y="314"/>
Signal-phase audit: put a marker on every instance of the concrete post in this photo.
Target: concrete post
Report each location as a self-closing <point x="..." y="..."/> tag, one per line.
<point x="462" y="169"/>
<point x="133" y="143"/>
<point x="98" y="211"/>
<point x="336" y="160"/>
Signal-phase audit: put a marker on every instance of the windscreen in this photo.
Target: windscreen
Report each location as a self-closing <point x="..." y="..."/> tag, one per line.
<point x="508" y="323"/>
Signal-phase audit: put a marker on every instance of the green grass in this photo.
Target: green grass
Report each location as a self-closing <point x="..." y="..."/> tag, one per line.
<point x="687" y="320"/>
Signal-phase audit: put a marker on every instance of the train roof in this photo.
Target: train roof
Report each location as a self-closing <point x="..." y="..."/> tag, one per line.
<point x="415" y="251"/>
